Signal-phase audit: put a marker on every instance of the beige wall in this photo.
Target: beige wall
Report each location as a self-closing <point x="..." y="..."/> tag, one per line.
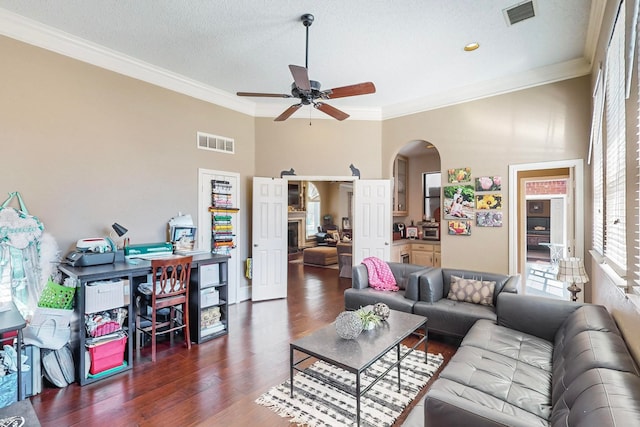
<point x="544" y="123"/>
<point x="324" y="148"/>
<point x="87" y="147"/>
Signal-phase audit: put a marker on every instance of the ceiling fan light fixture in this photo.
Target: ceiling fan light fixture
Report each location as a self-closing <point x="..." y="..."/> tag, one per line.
<point x="470" y="47"/>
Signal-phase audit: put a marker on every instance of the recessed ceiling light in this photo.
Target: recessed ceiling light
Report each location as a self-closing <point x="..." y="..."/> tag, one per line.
<point x="471" y="46"/>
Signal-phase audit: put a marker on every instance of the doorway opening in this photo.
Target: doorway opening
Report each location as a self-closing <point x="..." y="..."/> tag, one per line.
<point x="546" y="223"/>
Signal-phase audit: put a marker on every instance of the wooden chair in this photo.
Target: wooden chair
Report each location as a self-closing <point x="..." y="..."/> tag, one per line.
<point x="170" y="291"/>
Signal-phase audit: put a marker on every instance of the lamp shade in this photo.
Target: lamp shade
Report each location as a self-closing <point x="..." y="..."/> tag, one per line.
<point x="120" y="230"/>
<point x="572" y="270"/>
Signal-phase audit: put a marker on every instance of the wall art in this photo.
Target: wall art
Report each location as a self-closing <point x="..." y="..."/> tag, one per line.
<point x="489" y="218"/>
<point x="489" y="183"/>
<point x="489" y="201"/>
<point x="457" y="175"/>
<point x="458" y="201"/>
<point x="459" y="228"/>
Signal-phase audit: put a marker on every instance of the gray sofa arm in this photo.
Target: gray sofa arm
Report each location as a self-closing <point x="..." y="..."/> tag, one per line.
<point x="533" y="315"/>
<point x="512" y="285"/>
<point x="431" y="285"/>
<point x="359" y="277"/>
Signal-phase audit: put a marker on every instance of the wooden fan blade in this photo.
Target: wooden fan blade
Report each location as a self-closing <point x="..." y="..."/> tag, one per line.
<point x="264" y="95"/>
<point x="287" y="113"/>
<point x="332" y="111"/>
<point x="301" y="77"/>
<point x="353" y="90"/>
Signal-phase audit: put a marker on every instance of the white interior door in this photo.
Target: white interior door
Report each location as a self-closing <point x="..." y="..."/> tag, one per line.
<point x="269" y="239"/>
<point x="372" y="220"/>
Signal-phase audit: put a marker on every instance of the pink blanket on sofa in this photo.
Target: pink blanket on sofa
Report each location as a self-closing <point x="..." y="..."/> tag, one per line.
<point x="380" y="276"/>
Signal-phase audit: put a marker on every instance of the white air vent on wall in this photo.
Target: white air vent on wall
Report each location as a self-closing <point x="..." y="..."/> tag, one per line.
<point x="519" y="12"/>
<point x="207" y="141"/>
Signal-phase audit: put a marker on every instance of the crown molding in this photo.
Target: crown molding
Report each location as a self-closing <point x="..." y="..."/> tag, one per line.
<point x="532" y="78"/>
<point x="37" y="34"/>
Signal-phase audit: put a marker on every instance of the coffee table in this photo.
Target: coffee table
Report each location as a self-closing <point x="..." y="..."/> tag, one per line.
<point x="325" y="344"/>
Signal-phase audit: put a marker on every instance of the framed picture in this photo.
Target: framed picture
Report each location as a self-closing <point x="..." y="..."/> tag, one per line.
<point x="412" y="232"/>
<point x="489" y="183"/>
<point x="183" y="233"/>
<point x="489" y="219"/>
<point x="459" y="228"/>
<point x="535" y="206"/>
<point x="458" y="175"/>
<point x="489" y="201"/>
<point x="458" y="202"/>
<point x="346" y="223"/>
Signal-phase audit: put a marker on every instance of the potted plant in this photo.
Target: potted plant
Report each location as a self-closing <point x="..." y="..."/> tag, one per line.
<point x="369" y="319"/>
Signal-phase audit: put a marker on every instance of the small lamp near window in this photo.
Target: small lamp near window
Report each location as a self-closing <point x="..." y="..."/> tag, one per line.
<point x="571" y="270"/>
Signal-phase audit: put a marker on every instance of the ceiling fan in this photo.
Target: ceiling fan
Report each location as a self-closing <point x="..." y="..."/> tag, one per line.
<point x="308" y="91"/>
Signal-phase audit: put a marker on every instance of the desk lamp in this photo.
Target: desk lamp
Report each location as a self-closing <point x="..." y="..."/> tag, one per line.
<point x="120" y="230"/>
<point x="572" y="270"/>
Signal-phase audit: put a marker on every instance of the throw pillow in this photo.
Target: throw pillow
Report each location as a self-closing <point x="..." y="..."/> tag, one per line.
<point x="470" y="290"/>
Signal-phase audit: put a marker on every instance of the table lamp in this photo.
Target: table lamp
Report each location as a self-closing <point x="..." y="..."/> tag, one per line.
<point x="120" y="231"/>
<point x="572" y="270"/>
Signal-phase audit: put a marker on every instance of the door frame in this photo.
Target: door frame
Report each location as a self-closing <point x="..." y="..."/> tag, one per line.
<point x="515" y="197"/>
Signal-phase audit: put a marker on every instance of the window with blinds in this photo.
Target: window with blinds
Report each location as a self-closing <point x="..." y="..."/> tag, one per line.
<point x="615" y="250"/>
<point x="596" y="160"/>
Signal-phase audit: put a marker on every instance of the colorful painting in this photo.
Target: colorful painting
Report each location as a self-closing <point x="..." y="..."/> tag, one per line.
<point x="489" y="219"/>
<point x="460" y="228"/>
<point x="489" y="201"/>
<point x="458" y="202"/>
<point x="459" y="175"/>
<point x="489" y="183"/>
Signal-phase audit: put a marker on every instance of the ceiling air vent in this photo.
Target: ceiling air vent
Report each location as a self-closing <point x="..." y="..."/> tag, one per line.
<point x="207" y="141"/>
<point x="519" y="12"/>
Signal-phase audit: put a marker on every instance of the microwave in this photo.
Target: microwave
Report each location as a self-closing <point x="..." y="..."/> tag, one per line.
<point x="431" y="231"/>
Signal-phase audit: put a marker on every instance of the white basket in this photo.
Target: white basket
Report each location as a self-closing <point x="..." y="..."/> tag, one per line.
<point x="102" y="296"/>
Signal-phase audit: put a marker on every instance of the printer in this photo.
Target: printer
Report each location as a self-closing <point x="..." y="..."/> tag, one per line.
<point x="92" y="251"/>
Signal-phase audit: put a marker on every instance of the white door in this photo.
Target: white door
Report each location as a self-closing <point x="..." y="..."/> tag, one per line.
<point x="269" y="239"/>
<point x="372" y="220"/>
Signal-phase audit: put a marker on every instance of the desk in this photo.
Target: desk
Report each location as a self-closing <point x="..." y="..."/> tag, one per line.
<point x="11" y="320"/>
<point x="135" y="273"/>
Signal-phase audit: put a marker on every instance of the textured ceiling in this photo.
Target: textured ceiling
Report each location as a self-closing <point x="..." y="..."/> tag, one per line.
<point x="412" y="49"/>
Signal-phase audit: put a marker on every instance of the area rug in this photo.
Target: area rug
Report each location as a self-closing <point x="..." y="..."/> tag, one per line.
<point x="316" y="403"/>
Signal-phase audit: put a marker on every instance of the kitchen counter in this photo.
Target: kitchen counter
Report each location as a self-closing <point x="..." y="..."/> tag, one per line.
<point x="409" y="241"/>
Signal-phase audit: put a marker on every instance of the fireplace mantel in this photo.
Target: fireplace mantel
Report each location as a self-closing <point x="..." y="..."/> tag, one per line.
<point x="299" y="218"/>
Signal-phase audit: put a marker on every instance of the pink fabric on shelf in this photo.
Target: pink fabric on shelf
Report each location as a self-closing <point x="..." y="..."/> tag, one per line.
<point x="380" y="276"/>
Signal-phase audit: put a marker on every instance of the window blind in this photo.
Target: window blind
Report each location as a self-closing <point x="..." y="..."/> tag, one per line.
<point x="615" y="250"/>
<point x="597" y="167"/>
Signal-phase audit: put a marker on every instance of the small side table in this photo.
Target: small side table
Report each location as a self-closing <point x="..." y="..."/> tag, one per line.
<point x="11" y="320"/>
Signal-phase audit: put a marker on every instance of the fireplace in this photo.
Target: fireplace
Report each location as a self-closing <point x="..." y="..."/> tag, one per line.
<point x="295" y="231"/>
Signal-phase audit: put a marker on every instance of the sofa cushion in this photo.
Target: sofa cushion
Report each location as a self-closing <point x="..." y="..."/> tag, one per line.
<point x="599" y="397"/>
<point x="586" y="318"/>
<point x="449" y="403"/>
<point x="453" y="317"/>
<point x="515" y="384"/>
<point x="356" y="298"/>
<point x="529" y="349"/>
<point x="470" y="290"/>
<point x="500" y="279"/>
<point x="585" y="351"/>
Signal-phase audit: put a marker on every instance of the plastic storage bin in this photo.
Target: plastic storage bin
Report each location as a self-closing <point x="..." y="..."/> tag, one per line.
<point x="209" y="297"/>
<point x="102" y="296"/>
<point x="107" y="356"/>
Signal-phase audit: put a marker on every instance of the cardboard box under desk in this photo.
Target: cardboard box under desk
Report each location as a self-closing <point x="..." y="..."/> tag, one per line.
<point x="105" y="295"/>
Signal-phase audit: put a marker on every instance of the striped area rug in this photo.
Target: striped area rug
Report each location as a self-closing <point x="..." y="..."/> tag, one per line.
<point x="316" y="403"/>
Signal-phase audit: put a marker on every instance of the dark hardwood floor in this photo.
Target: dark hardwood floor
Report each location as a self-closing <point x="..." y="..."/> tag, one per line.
<point x="214" y="383"/>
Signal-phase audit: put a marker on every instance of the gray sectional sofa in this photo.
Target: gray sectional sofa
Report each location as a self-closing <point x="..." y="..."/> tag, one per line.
<point x="424" y="291"/>
<point x="543" y="363"/>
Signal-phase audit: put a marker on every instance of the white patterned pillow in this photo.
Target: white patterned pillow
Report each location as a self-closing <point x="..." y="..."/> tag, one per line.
<point x="469" y="290"/>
